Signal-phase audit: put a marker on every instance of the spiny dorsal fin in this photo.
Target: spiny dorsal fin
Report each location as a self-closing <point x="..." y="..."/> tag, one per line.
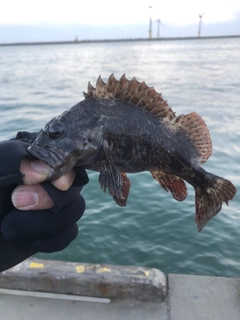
<point x="139" y="94"/>
<point x="134" y="92"/>
<point x="121" y="86"/>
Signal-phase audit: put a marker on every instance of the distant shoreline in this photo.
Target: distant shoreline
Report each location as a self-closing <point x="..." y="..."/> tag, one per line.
<point x="114" y="40"/>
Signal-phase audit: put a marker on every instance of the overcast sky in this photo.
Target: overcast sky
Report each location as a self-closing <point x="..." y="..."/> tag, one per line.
<point x="106" y="14"/>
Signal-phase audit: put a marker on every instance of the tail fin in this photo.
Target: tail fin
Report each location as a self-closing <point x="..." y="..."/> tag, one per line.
<point x="209" y="200"/>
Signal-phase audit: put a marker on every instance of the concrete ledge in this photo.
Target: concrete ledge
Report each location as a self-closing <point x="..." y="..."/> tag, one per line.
<point x="189" y="297"/>
<point x="203" y="297"/>
<point x="93" y="280"/>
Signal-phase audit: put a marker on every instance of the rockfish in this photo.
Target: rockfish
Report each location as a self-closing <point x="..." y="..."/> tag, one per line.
<point x="126" y="127"/>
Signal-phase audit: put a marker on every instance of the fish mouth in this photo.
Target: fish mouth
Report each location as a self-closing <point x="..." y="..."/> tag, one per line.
<point x="54" y="157"/>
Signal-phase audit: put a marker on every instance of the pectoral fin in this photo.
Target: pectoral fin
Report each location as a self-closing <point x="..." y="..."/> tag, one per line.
<point x="171" y="183"/>
<point x="117" y="183"/>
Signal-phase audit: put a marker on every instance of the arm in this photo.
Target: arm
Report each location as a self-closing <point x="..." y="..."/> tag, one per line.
<point x="25" y="232"/>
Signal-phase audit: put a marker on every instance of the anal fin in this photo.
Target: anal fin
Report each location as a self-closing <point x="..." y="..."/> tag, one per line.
<point x="171" y="183"/>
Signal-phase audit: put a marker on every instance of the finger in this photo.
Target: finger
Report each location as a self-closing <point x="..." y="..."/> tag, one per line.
<point x="35" y="171"/>
<point x="65" y="181"/>
<point x="31" y="198"/>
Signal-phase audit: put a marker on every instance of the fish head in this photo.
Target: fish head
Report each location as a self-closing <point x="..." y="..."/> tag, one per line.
<point x="63" y="144"/>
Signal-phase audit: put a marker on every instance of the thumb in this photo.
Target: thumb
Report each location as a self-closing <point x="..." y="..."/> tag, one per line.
<point x="32" y="197"/>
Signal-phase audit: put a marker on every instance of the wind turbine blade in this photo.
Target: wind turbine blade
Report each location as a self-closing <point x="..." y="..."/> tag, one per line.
<point x="160" y="22"/>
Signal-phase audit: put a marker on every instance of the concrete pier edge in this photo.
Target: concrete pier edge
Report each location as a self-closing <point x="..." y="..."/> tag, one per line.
<point x="89" y="280"/>
<point x="65" y="290"/>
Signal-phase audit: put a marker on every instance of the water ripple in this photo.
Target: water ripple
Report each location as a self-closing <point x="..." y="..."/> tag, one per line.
<point x="38" y="83"/>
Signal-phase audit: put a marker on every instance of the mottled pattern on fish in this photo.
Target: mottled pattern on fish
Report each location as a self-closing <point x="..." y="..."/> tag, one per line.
<point x="125" y="126"/>
<point x="140" y="95"/>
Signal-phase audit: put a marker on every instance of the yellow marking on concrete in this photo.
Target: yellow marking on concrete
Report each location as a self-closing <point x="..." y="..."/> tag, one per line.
<point x="104" y="270"/>
<point x="146" y="273"/>
<point x="35" y="265"/>
<point x="80" y="269"/>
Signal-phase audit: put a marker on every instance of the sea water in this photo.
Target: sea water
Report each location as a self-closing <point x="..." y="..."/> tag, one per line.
<point x="154" y="230"/>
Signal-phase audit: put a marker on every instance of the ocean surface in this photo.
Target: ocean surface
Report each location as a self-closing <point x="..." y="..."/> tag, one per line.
<point x="153" y="230"/>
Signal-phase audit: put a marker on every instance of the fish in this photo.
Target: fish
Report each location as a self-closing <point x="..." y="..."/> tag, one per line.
<point x="125" y="126"/>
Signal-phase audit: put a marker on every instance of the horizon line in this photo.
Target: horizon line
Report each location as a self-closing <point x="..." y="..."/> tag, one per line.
<point x="115" y="40"/>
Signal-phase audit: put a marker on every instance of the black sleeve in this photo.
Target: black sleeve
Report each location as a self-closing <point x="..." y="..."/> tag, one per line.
<point x="11" y="154"/>
<point x="12" y="254"/>
<point x="23" y="233"/>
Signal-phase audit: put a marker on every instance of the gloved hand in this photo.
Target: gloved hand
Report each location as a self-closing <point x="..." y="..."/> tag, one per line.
<point x="25" y="232"/>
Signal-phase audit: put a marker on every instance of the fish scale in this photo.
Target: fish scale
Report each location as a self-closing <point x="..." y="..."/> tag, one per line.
<point x="127" y="127"/>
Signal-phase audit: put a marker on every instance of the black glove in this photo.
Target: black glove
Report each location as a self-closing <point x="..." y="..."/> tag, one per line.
<point x="23" y="233"/>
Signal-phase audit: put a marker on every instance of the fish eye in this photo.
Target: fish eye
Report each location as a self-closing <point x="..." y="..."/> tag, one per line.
<point x="56" y="130"/>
